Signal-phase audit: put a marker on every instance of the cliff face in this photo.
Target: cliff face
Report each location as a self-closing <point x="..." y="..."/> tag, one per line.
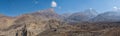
<point x="48" y="23"/>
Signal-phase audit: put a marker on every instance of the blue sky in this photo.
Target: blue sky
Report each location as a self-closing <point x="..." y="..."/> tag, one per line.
<point x="17" y="7"/>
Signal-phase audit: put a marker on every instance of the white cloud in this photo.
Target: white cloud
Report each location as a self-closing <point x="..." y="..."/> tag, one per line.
<point x="116" y="8"/>
<point x="54" y="4"/>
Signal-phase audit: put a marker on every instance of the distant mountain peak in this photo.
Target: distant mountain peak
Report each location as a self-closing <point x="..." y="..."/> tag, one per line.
<point x="84" y="15"/>
<point x="90" y="10"/>
<point x="110" y="16"/>
<point x="47" y="10"/>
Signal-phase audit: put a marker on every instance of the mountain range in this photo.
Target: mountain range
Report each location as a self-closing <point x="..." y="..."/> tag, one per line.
<point x="48" y="23"/>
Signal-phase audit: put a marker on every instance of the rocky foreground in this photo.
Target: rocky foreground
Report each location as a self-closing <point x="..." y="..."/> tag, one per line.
<point x="48" y="23"/>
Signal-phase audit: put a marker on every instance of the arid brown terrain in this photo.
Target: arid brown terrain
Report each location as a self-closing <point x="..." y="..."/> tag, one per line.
<point x="48" y="23"/>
